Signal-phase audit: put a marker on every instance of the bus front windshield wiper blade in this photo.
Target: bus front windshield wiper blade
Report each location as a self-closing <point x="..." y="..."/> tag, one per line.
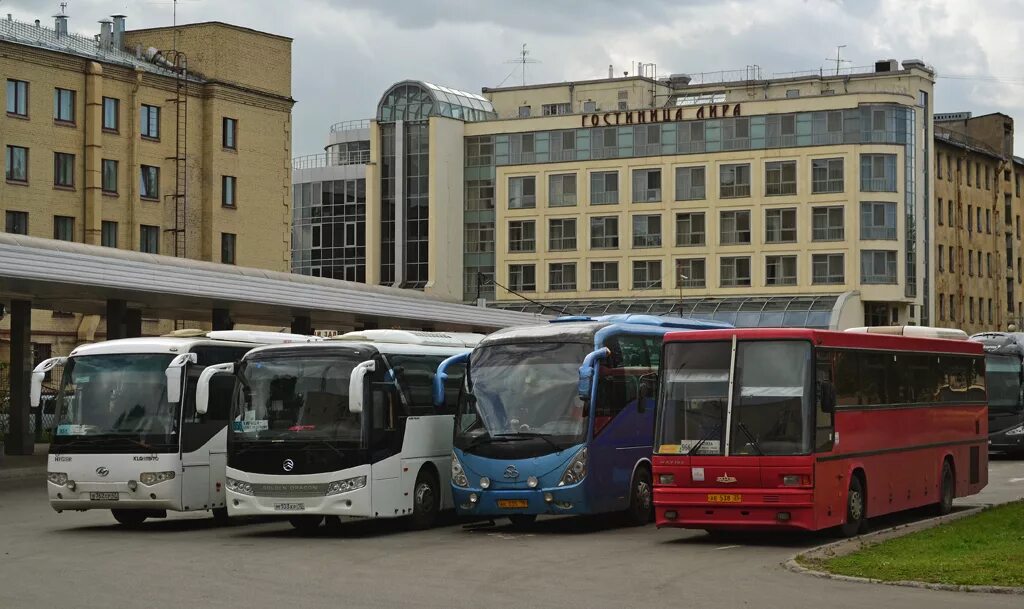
<point x="750" y="437"/>
<point x="531" y="434"/>
<point x="711" y="432"/>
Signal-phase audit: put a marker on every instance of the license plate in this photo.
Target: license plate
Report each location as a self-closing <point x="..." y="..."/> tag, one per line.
<point x="289" y="507"/>
<point x="724" y="498"/>
<point x="513" y="504"/>
<point x="104" y="496"/>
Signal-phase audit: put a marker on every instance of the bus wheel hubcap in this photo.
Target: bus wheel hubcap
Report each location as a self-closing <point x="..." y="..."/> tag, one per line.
<point x="856" y="509"/>
<point x="643" y="495"/>
<point x="424" y="496"/>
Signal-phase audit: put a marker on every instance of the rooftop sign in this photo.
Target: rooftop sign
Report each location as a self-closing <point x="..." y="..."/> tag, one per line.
<point x="658" y="115"/>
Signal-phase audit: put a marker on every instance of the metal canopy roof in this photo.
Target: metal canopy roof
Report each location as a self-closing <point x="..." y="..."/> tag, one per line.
<point x="417" y="100"/>
<point x="742" y="311"/>
<point x="76" y="277"/>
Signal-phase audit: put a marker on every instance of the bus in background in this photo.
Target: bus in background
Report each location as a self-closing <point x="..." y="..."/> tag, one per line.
<point x="807" y="429"/>
<point x="343" y="428"/>
<point x="127" y="434"/>
<point x="558" y="418"/>
<point x="1004" y="352"/>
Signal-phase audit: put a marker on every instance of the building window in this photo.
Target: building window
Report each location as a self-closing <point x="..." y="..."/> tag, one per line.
<point x="940" y="259"/>
<point x="878" y="173"/>
<point x="791" y="93"/>
<point x="522" y="277"/>
<point x="827" y="224"/>
<point x="522" y="192"/>
<point x="229" y="137"/>
<point x="149" y="183"/>
<point x="646" y="140"/>
<point x="149" y="239"/>
<point x="877" y="266"/>
<point x="690" y="273"/>
<point x="562" y="234"/>
<point x="111" y="114"/>
<point x="938" y="165"/>
<point x="562" y="190"/>
<point x="64" y="105"/>
<point x="826" y="176"/>
<point x="64" y="228"/>
<point x="952" y="220"/>
<point x="604" y="275"/>
<point x="952" y="259"/>
<point x="988" y="221"/>
<point x="977" y="222"/>
<point x="561" y="146"/>
<point x="878" y="220"/>
<point x="942" y="307"/>
<point x="690" y="183"/>
<point x="988" y="264"/>
<point x="108" y="234"/>
<point x="735" y="271"/>
<point x="735" y="227"/>
<point x="988" y="178"/>
<point x="952" y="307"/>
<point x="990" y="320"/>
<point x="646" y="185"/>
<point x="938" y="211"/>
<point x="555" y="109"/>
<point x="478" y="237"/>
<point x="590" y="106"/>
<point x="780" y="270"/>
<point x="227" y="248"/>
<point x="734" y="181"/>
<point x="690" y="229"/>
<point x="17" y="97"/>
<point x="604" y="188"/>
<point x="109" y="176"/>
<point x="780" y="225"/>
<point x="970" y="263"/>
<point x="228" y="188"/>
<point x="604" y="233"/>
<point x="562" y="277"/>
<point x="522" y="236"/>
<point x="16" y="164"/>
<point x="647" y="231"/>
<point x="827" y="269"/>
<point x="646" y="274"/>
<point x="524" y="112"/>
<point x="16" y="222"/>
<point x="479" y="195"/>
<point x="970" y="303"/>
<point x="149" y="122"/>
<point x="780" y="178"/>
<point x="970" y="218"/>
<point x="64" y="169"/>
<point x="604" y="143"/>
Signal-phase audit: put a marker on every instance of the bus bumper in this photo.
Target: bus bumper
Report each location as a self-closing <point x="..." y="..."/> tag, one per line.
<point x="355" y="503"/>
<point x="89" y="495"/>
<point x="765" y="509"/>
<point x="498" y="503"/>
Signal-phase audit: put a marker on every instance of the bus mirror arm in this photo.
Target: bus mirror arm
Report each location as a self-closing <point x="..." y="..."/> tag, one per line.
<point x="203" y="386"/>
<point x="585" y="386"/>
<point x="827" y="396"/>
<point x="174" y="373"/>
<point x="38" y="375"/>
<point x="357" y="385"/>
<point x="442" y="376"/>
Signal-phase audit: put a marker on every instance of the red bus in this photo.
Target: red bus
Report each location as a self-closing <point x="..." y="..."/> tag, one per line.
<point x="824" y="429"/>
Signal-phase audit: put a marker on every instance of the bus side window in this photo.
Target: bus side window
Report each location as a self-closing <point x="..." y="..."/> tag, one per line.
<point x="619" y="382"/>
<point x="453" y="388"/>
<point x="823" y="421"/>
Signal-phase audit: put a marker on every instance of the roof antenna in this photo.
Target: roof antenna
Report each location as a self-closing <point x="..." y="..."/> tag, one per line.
<point x="523" y="59"/>
<point x="837" y="60"/>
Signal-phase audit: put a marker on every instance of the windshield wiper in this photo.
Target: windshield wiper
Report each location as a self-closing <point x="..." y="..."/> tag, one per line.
<point x="533" y="434"/>
<point x="750" y="437"/>
<point x="711" y="432"/>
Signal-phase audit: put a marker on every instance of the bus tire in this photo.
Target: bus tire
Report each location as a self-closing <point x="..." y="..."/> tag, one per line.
<point x="947" y="490"/>
<point x="641" y="499"/>
<point x="426" y="500"/>
<point x="856" y="508"/>
<point x="220" y="515"/>
<point x="522" y="521"/>
<point x="306" y="524"/>
<point x="129" y="518"/>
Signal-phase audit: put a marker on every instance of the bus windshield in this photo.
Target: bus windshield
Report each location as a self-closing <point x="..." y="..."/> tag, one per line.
<point x="772" y="398"/>
<point x="295" y="398"/>
<point x="1002" y="373"/>
<point x="122" y="394"/>
<point x="522" y="391"/>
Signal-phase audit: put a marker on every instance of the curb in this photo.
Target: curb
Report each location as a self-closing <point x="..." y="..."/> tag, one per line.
<point x="849" y="546"/>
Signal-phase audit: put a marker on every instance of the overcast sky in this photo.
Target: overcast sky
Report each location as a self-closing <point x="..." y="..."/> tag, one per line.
<point x="347" y="52"/>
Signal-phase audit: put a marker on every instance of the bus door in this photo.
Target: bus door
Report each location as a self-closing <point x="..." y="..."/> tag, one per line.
<point x="386" y="432"/>
<point x="623" y="417"/>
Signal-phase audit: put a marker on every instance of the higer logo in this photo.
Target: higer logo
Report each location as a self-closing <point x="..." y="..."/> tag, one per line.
<point x="725" y="478"/>
<point x="288" y="465"/>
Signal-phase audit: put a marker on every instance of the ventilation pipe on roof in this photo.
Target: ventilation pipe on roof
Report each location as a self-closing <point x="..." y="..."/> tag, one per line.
<point x="156" y="57"/>
<point x="119" y="22"/>
<point x="60" y="25"/>
<point x="106" y="34"/>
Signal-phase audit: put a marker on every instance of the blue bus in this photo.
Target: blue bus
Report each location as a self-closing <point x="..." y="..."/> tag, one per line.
<point x="558" y="418"/>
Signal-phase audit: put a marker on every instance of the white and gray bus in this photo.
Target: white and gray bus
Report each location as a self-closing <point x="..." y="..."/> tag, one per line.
<point x="128" y="438"/>
<point x="341" y="429"/>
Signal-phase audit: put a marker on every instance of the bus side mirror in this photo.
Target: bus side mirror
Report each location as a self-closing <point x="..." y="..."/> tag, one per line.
<point x="827" y="396"/>
<point x="442" y="376"/>
<point x="175" y="372"/>
<point x="357" y="385"/>
<point x="38" y="374"/>
<point x="203" y="386"/>
<point x="585" y="385"/>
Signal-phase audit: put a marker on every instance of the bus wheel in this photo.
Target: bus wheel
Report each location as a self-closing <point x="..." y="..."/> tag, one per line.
<point x="522" y="521"/>
<point x="426" y="500"/>
<point x="946" y="491"/>
<point x="641" y="499"/>
<point x="220" y="515"/>
<point x="306" y="524"/>
<point x="129" y="518"/>
<point x="855" y="509"/>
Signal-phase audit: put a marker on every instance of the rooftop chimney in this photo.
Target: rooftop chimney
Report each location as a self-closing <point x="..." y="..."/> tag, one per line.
<point x="118" y="32"/>
<point x="611" y="72"/>
<point x="106" y="34"/>
<point x="60" y="25"/>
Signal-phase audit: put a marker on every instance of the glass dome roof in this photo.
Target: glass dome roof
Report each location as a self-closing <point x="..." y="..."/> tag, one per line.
<point x="413" y="100"/>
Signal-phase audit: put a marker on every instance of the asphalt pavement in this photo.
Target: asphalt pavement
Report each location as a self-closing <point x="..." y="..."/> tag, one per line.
<point x="84" y="560"/>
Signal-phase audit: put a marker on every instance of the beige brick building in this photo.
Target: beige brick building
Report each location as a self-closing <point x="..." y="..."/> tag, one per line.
<point x="172" y="141"/>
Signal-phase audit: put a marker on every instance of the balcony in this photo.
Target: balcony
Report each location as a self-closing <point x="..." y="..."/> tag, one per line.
<point x="350" y="125"/>
<point x="331" y="159"/>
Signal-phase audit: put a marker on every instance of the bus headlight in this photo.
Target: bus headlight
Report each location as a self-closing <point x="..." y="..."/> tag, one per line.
<point x="1016" y="431"/>
<point x="343" y="486"/>
<point x="58" y="478"/>
<point x="576" y="470"/>
<point x="458" y="474"/>
<point x="485" y="483"/>
<point x="243" y="488"/>
<point x="151" y="478"/>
